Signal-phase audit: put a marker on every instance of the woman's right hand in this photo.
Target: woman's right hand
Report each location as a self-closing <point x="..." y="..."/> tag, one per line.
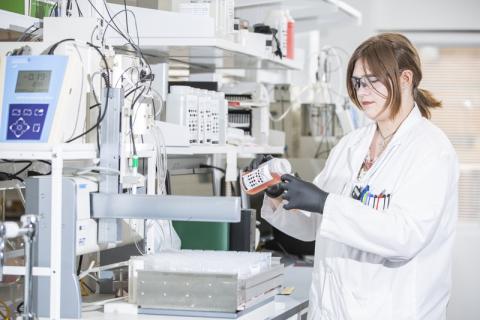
<point x="274" y="191"/>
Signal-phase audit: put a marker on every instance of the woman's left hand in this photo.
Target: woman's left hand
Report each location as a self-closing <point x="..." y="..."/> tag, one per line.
<point x="302" y="195"/>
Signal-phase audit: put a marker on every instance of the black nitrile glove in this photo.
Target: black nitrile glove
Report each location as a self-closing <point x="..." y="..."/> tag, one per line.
<point x="273" y="191"/>
<point x="255" y="163"/>
<point x="302" y="195"/>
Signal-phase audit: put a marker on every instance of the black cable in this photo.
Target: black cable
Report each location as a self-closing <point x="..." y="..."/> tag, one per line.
<point x="45" y="161"/>
<point x="95" y="106"/>
<point x="23" y="169"/>
<point x="69" y="8"/>
<point x="103" y="18"/>
<point x="8" y="176"/>
<point x="106" y="77"/>
<point x="107" y="83"/>
<point x="132" y="91"/>
<point x="80" y="13"/>
<point x="19" y="308"/>
<point x="28" y="162"/>
<point x="212" y="167"/>
<point x="79" y="267"/>
<point x="126" y="14"/>
<point x="26" y="32"/>
<point x="15" y="161"/>
<point x="55" y="6"/>
<point x="54" y="46"/>
<point x="136" y="47"/>
<point x="98" y="127"/>
<point x="88" y="287"/>
<point x="99" y="120"/>
<point x="117" y="29"/>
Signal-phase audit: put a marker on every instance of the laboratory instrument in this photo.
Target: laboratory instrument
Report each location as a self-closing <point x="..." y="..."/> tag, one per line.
<point x="38" y="100"/>
<point x="196" y="282"/>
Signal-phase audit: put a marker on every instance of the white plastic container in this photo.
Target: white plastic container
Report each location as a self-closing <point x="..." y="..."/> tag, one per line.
<point x="266" y="175"/>
<point x="278" y="20"/>
<point x="182" y="109"/>
<point x="222" y="118"/>
<point x="221" y="11"/>
<point x="209" y="117"/>
<point x="202" y="110"/>
<point x="215" y="118"/>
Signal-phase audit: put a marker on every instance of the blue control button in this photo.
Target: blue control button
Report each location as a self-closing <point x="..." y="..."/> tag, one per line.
<point x="19" y="127"/>
<point x="26" y="121"/>
<point x="36" y="127"/>
<point x="39" y="112"/>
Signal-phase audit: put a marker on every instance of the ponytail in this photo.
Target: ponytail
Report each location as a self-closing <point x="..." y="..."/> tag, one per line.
<point x="425" y="100"/>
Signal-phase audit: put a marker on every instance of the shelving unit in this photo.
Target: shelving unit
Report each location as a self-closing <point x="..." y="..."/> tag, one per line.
<point x="214" y="149"/>
<point x="57" y="154"/>
<point x="191" y="41"/>
<point x="213" y="53"/>
<point x="232" y="153"/>
<point x="326" y="11"/>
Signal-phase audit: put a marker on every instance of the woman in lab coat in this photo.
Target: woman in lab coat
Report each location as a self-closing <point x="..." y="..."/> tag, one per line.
<point x="383" y="210"/>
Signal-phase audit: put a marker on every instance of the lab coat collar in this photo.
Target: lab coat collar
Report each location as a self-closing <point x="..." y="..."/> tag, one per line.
<point x="358" y="149"/>
<point x="412" y="119"/>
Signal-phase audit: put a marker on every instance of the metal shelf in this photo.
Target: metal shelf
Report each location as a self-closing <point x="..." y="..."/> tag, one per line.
<point x="211" y="54"/>
<point x="190" y="41"/>
<point x="214" y="149"/>
<point x="326" y="11"/>
<point x="69" y="151"/>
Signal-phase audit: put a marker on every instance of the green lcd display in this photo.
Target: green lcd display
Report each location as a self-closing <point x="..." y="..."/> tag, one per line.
<point x="33" y="81"/>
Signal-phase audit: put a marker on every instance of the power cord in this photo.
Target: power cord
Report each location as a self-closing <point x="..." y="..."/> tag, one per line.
<point x="106" y="77"/>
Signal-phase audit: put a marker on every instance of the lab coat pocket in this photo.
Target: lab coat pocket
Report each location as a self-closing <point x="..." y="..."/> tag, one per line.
<point x="342" y="303"/>
<point x="376" y="287"/>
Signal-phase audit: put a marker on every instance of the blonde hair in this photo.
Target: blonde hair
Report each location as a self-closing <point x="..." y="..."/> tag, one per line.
<point x="387" y="55"/>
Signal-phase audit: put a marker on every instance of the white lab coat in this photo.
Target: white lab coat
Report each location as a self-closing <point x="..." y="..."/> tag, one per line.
<point x="382" y="263"/>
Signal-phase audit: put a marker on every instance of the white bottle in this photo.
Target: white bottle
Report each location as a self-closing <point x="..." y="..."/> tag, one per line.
<point x="215" y="118"/>
<point x="229" y="16"/>
<point x="202" y="108"/>
<point x="222" y="118"/>
<point x="277" y="19"/>
<point x="266" y="175"/>
<point x="208" y="117"/>
<point x="182" y="109"/>
<point x="193" y="7"/>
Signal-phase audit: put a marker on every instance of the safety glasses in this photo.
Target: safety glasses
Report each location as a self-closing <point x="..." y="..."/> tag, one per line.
<point x="366" y="81"/>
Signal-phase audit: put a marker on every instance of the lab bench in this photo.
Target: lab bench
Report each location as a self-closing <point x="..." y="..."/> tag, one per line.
<point x="281" y="308"/>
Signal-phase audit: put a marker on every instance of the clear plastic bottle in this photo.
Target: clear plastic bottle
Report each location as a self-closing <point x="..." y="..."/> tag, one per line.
<point x="266" y="175"/>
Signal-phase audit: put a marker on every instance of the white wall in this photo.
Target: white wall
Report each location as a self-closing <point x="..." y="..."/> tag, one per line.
<point x="465" y="302"/>
<point x="427" y="14"/>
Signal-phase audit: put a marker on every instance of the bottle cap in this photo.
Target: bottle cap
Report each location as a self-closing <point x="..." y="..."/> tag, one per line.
<point x="280" y="166"/>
